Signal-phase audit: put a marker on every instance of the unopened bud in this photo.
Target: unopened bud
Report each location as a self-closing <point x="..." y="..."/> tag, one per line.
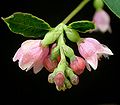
<point x="73" y="77"/>
<point x="78" y="65"/>
<point x="49" y="64"/>
<point x="68" y="51"/>
<point x="55" y="52"/>
<point x="53" y="35"/>
<point x="59" y="79"/>
<point x="72" y="34"/>
<point x="67" y="83"/>
<point x="75" y="80"/>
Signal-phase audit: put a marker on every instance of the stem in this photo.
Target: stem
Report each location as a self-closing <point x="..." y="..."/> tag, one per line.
<point x="75" y="11"/>
<point x="63" y="59"/>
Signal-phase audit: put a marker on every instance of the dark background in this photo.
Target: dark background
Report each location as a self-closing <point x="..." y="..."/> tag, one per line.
<point x="18" y="87"/>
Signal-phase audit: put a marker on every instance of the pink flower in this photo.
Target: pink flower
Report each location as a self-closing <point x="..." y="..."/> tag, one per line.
<point x="102" y="21"/>
<point x="31" y="54"/>
<point x="92" y="50"/>
<point x="78" y="65"/>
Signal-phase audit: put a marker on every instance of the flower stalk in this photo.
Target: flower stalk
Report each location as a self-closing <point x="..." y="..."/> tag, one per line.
<point x="75" y="11"/>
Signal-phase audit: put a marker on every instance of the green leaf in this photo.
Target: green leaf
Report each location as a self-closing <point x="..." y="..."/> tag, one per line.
<point x="27" y="25"/>
<point x="82" y="26"/>
<point x="114" y="6"/>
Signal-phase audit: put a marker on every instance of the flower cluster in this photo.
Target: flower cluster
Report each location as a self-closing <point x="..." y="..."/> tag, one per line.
<point x="51" y="53"/>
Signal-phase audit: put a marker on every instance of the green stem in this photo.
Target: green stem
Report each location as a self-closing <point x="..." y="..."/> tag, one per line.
<point x="75" y="11"/>
<point x="63" y="59"/>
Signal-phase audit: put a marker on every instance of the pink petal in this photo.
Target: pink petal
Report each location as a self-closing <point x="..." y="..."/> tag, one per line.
<point x="105" y="50"/>
<point x="38" y="66"/>
<point x="93" y="61"/>
<point x="17" y="55"/>
<point x="88" y="66"/>
<point x="25" y="63"/>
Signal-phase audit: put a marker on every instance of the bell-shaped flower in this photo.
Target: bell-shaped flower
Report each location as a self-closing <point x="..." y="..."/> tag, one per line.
<point x="31" y="54"/>
<point x="102" y="21"/>
<point x="92" y="50"/>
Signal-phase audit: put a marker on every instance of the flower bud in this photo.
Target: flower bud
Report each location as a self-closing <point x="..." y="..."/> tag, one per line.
<point x="67" y="83"/>
<point x="52" y="35"/>
<point x="75" y="80"/>
<point x="49" y="64"/>
<point x="68" y="51"/>
<point x="59" y="79"/>
<point x="73" y="77"/>
<point x="72" y="34"/>
<point x="78" y="65"/>
<point x="55" y="52"/>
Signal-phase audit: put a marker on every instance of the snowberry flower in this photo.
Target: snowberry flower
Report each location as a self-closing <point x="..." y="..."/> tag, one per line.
<point x="31" y="54"/>
<point x="92" y="50"/>
<point x="78" y="65"/>
<point x="102" y="21"/>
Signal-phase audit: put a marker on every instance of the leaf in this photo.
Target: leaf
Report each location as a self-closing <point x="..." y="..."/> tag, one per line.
<point x="114" y="6"/>
<point x="27" y="25"/>
<point x="82" y="26"/>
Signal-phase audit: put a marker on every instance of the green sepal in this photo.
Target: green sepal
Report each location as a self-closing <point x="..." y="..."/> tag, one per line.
<point x="53" y="35"/>
<point x="82" y="26"/>
<point x="27" y="25"/>
<point x="98" y="4"/>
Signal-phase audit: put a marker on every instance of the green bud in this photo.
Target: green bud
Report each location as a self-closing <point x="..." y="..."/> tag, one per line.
<point x="67" y="83"/>
<point x="68" y="51"/>
<point x="55" y="53"/>
<point x="69" y="72"/>
<point x="98" y="4"/>
<point x="72" y="34"/>
<point x="52" y="35"/>
<point x="73" y="78"/>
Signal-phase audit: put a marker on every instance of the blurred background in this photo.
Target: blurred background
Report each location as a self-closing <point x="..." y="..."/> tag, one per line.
<point x="95" y="87"/>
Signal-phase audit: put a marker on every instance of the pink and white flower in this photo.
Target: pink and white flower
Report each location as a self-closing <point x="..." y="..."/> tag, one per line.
<point x="102" y="21"/>
<point x="91" y="50"/>
<point x="31" y="54"/>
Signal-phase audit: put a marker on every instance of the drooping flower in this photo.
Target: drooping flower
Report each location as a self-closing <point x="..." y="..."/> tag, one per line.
<point x="77" y="65"/>
<point x="102" y="21"/>
<point x="31" y="54"/>
<point x="92" y="50"/>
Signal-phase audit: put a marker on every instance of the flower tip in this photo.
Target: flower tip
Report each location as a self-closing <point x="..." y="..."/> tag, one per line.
<point x="75" y="80"/>
<point x="59" y="79"/>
